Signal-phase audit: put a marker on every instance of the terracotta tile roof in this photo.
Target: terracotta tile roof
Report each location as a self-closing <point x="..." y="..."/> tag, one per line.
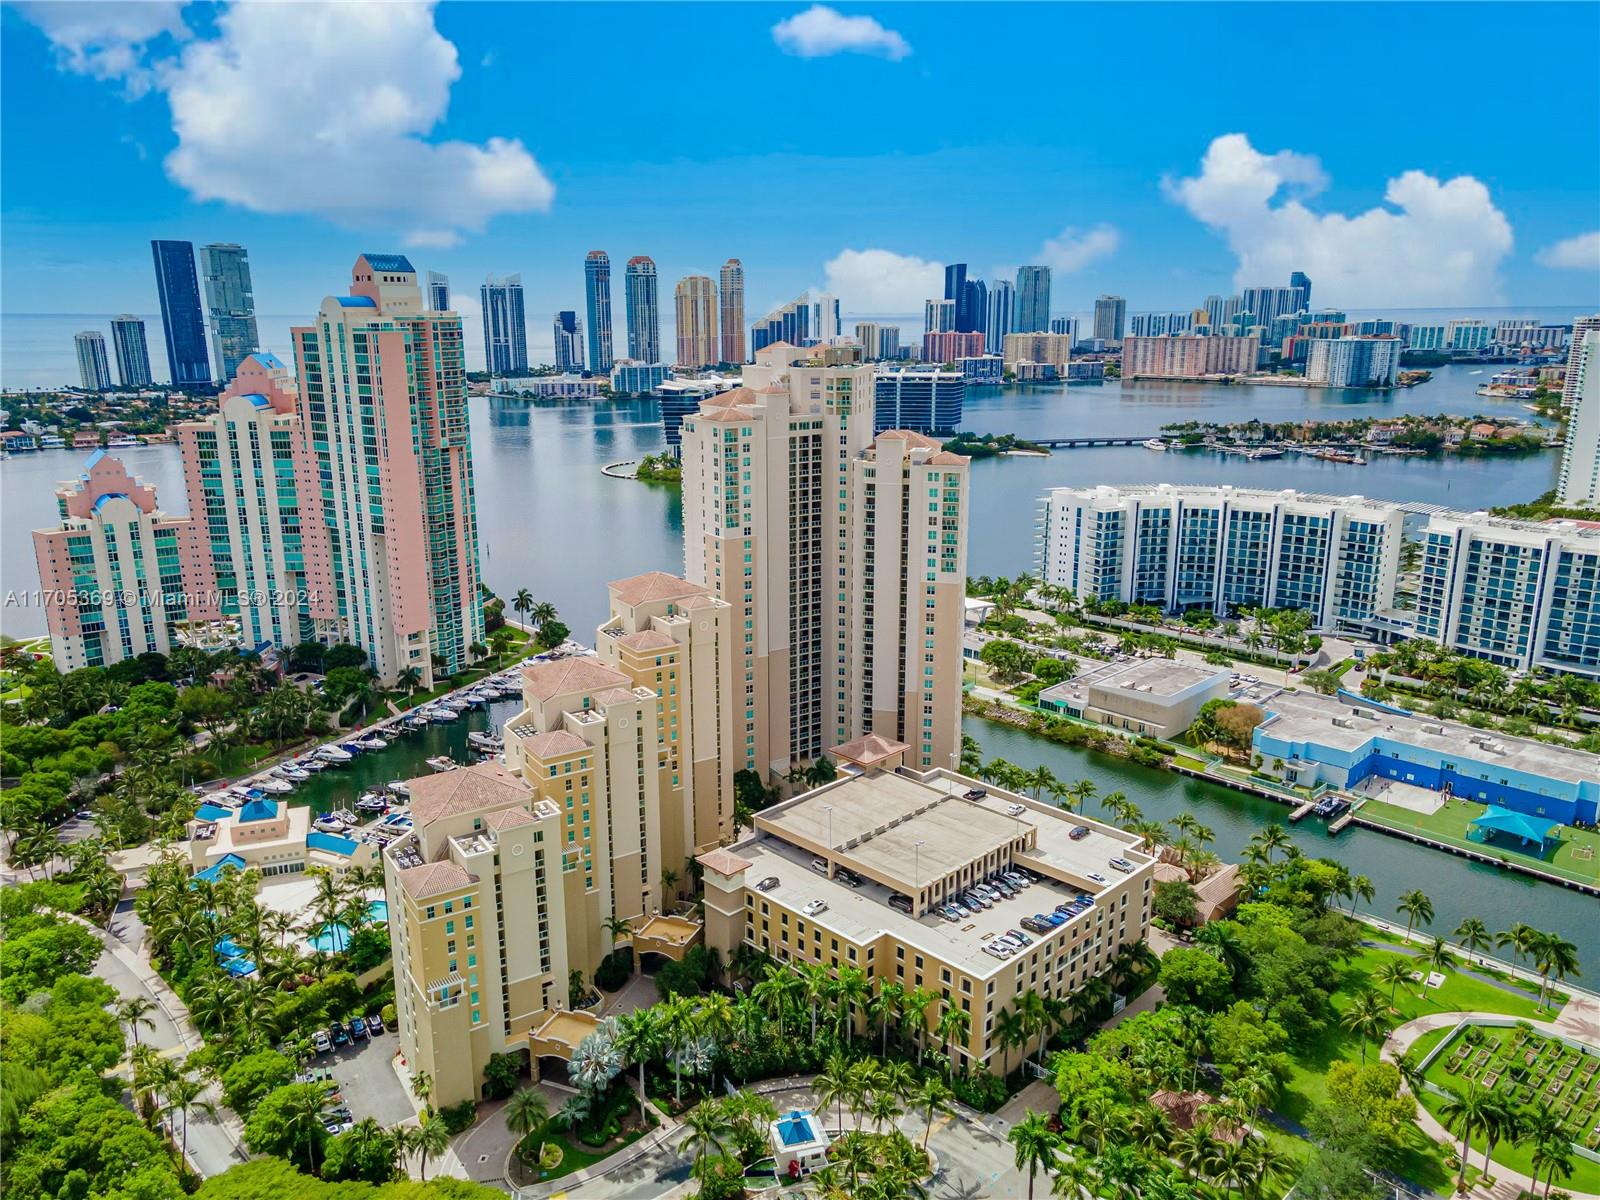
<point x="948" y="458"/>
<point x="870" y="749"/>
<point x="434" y="879"/>
<point x="654" y="585"/>
<point x="724" y="862"/>
<point x="510" y="818"/>
<point x="722" y="414"/>
<point x="910" y="438"/>
<point x="554" y="744"/>
<point x="707" y="601"/>
<point x="618" y="695"/>
<point x="731" y="398"/>
<point x="453" y="792"/>
<point x="647" y="639"/>
<point x="581" y="674"/>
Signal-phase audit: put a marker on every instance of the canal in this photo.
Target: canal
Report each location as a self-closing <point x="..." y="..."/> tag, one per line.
<point x="1458" y="887"/>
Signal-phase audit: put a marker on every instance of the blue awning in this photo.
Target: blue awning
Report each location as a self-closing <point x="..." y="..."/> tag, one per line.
<point x="331" y="842"/>
<point x="214" y="872"/>
<point x="212" y="812"/>
<point x="1503" y="820"/>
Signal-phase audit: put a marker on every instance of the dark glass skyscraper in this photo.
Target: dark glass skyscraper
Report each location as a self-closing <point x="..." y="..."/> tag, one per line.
<point x="972" y="310"/>
<point x="955" y="288"/>
<point x="182" y="320"/>
<point x="1033" y="299"/>
<point x="569" y="341"/>
<point x="597" y="291"/>
<point x="132" y="354"/>
<point x="644" y="310"/>
<point x="232" y="303"/>
<point x="505" y="332"/>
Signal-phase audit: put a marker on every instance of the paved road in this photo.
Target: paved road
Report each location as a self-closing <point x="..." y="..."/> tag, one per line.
<point x="212" y="1147"/>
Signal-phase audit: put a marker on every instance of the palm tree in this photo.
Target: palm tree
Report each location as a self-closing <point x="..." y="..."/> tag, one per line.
<point x="853" y="990"/>
<point x="542" y="613"/>
<point x="1075" y="1179"/>
<point x="1035" y="1145"/>
<point x="428" y="1138"/>
<point x="528" y="1110"/>
<point x="1552" y="1156"/>
<point x="422" y="1087"/>
<point x="1273" y="837"/>
<point x="639" y="1040"/>
<point x="1438" y="956"/>
<point x="1501" y="1120"/>
<point x="1361" y="889"/>
<point x="409" y="679"/>
<point x="133" y="1012"/>
<point x="1474" y="935"/>
<point x="1553" y="956"/>
<point x="1463" y="1115"/>
<point x="185" y="1092"/>
<point x="1040" y="778"/>
<point x="817" y="982"/>
<point x="934" y="1096"/>
<point x="707" y="1126"/>
<point x="1520" y="937"/>
<point x="678" y="1026"/>
<point x="522" y="602"/>
<point x="955" y="1025"/>
<point x="304" y="1116"/>
<point x="1367" y="1017"/>
<point x="1417" y="907"/>
<point x="832" y="1084"/>
<point x="1082" y="791"/>
<point x="1395" y="971"/>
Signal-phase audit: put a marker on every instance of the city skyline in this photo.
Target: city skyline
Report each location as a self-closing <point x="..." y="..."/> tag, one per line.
<point x="1153" y="220"/>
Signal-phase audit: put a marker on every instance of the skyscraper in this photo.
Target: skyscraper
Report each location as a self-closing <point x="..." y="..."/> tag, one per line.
<point x="825" y="322"/>
<point x="263" y="525"/>
<point x="569" y="341"/>
<point x="644" y="310"/>
<point x="93" y="368"/>
<point x="1580" y="459"/>
<point x="790" y="323"/>
<point x="1066" y="325"/>
<point x="597" y="291"/>
<point x="133" y="353"/>
<point x="731" y="306"/>
<point x="505" y="332"/>
<point x="390" y="440"/>
<point x="231" y="302"/>
<point x="1002" y="309"/>
<point x="695" y="304"/>
<point x="1110" y="318"/>
<point x="1301" y="282"/>
<point x="955" y="291"/>
<point x="117" y="574"/>
<point x="1033" y="299"/>
<point x="972" y="313"/>
<point x="843" y="638"/>
<point x="181" y="319"/>
<point x="1575" y="351"/>
<point x="938" y="316"/>
<point x="438" y="292"/>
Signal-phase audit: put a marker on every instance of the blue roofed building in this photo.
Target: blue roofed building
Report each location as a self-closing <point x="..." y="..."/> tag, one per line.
<point x="269" y="836"/>
<point x="1350" y="743"/>
<point x="799" y="1143"/>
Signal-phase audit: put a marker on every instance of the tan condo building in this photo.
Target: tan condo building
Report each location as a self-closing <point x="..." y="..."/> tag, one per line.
<point x="842" y="556"/>
<point x="695" y="302"/>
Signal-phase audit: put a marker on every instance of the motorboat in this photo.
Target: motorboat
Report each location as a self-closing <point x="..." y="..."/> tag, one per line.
<point x="372" y="742"/>
<point x="284" y="770"/>
<point x="399" y="787"/>
<point x="295" y="774"/>
<point x="1155" y="444"/>
<point x="328" y="823"/>
<point x="352" y="747"/>
<point x="442" y="762"/>
<point x="345" y="815"/>
<point x="277" y="787"/>
<point x="309" y="763"/>
<point x="485" y="741"/>
<point x="335" y="754"/>
<point x="440" y="715"/>
<point x="417" y="721"/>
<point x="372" y="802"/>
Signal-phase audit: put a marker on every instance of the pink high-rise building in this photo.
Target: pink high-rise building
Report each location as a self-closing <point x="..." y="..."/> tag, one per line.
<point x="119" y="576"/>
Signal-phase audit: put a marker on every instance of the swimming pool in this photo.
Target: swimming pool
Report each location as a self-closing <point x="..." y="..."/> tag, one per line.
<point x="333" y="938"/>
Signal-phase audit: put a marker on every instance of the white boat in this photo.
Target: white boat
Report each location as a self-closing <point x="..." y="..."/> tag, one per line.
<point x="373" y="743"/>
<point x="328" y="823"/>
<point x="399" y="787"/>
<point x="485" y="741"/>
<point x="310" y="763"/>
<point x="417" y="721"/>
<point x="335" y="754"/>
<point x="345" y="815"/>
<point x="1155" y="444"/>
<point x="442" y="715"/>
<point x="442" y="763"/>
<point x="371" y="802"/>
<point x="295" y="775"/>
<point x="277" y="787"/>
<point x="125" y="442"/>
<point x="352" y="747"/>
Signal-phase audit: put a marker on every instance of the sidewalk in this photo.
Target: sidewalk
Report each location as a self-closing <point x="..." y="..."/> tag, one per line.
<point x="1581" y="1013"/>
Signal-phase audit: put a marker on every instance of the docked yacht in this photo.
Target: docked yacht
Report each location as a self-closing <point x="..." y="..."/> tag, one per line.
<point x="486" y="742"/>
<point x="372" y="742"/>
<point x="328" y="823"/>
<point x="442" y="762"/>
<point x="335" y="754"/>
<point x="276" y="787"/>
<point x="399" y="787"/>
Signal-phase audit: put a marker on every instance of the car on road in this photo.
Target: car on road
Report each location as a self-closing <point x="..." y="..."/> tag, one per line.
<point x="83" y="814"/>
<point x="976" y="794"/>
<point x="1016" y="810"/>
<point x="1078" y="831"/>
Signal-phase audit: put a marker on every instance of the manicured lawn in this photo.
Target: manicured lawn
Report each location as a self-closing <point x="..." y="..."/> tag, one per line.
<point x="1576" y="856"/>
<point x="575" y="1156"/>
<point x="1423" y="1162"/>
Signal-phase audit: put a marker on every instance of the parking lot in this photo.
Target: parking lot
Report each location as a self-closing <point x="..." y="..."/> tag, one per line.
<point x="365" y="1074"/>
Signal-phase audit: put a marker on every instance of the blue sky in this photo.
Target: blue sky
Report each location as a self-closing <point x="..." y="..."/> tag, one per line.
<point x="1159" y="152"/>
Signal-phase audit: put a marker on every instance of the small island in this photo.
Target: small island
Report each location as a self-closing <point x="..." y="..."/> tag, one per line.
<point x="987" y="445"/>
<point x="1345" y="440"/>
<point x="659" y="468"/>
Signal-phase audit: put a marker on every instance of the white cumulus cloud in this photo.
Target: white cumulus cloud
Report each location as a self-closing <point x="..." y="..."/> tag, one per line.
<point x="881" y="281"/>
<point x="821" y="31"/>
<point x="1433" y="242"/>
<point x="107" y="39"/>
<point x="1074" y="249"/>
<point x="323" y="109"/>
<point x="1580" y="253"/>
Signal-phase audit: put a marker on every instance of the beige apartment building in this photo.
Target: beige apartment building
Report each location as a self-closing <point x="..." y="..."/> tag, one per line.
<point x="1054" y="348"/>
<point x="695" y="303"/>
<point x="778" y="523"/>
<point x="1188" y="356"/>
<point x="856" y="874"/>
<point x="615" y="774"/>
